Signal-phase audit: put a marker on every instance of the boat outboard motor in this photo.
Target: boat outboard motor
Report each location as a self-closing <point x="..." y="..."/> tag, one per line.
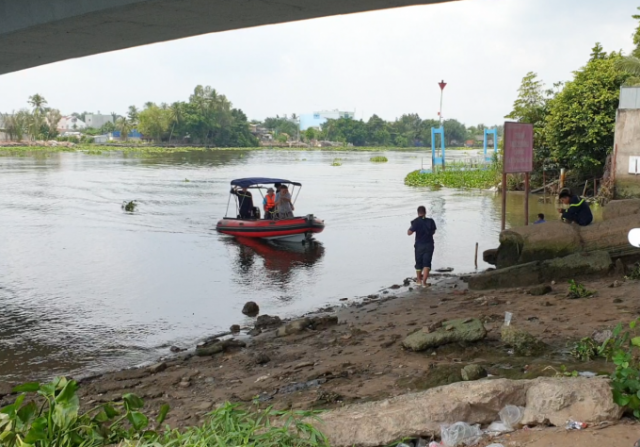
<point x="634" y="237"/>
<point x="310" y="217"/>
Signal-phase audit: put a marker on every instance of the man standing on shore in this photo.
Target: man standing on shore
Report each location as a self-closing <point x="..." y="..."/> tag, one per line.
<point x="424" y="228"/>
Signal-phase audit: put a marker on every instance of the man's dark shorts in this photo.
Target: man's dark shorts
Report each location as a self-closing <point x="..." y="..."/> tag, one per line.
<point x="424" y="255"/>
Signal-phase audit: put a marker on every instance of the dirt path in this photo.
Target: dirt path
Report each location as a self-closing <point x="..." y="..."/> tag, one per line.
<point x="361" y="359"/>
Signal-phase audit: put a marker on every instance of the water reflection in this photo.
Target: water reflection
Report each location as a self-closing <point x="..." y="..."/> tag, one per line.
<point x="280" y="261"/>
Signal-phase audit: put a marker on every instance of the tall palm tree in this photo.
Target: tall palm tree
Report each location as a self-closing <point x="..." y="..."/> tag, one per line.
<point x="175" y="115"/>
<point x="124" y="126"/>
<point x="37" y="103"/>
<point x="631" y="65"/>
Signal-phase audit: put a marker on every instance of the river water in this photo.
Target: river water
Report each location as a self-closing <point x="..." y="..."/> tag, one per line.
<point x="86" y="287"/>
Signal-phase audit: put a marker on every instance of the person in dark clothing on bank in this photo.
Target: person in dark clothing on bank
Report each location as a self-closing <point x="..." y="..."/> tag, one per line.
<point x="245" y="202"/>
<point x="424" y="229"/>
<point x="578" y="211"/>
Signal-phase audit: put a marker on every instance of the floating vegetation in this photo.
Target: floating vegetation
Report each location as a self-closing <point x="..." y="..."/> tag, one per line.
<point x="379" y="159"/>
<point x="187" y="180"/>
<point x="457" y="176"/>
<point x="130" y="206"/>
<point x="337" y="162"/>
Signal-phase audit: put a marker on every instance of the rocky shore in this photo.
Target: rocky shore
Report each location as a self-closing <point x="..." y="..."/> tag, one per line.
<point x="383" y="347"/>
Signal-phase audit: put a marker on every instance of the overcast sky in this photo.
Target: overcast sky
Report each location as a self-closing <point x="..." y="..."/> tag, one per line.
<point x="384" y="62"/>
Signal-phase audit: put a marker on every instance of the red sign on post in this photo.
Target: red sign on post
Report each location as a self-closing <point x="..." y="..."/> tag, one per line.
<point x="517" y="158"/>
<point x="518" y="148"/>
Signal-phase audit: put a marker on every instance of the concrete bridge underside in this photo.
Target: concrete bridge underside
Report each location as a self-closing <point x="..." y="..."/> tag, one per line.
<point x="37" y="32"/>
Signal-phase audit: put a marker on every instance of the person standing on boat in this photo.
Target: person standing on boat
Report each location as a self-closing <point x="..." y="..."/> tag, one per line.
<point x="284" y="205"/>
<point x="245" y="202"/>
<point x="269" y="204"/>
<point x="424" y="229"/>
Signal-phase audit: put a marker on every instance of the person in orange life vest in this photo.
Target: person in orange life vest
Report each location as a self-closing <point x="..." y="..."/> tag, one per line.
<point x="269" y="204"/>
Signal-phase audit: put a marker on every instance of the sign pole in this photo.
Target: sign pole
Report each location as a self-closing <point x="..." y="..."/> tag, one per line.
<point x="526" y="198"/>
<point x="517" y="158"/>
<point x="504" y="201"/>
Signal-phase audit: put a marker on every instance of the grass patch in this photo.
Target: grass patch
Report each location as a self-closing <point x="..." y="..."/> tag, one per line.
<point x="49" y="415"/>
<point x="578" y="290"/>
<point x="379" y="159"/>
<point x="230" y="425"/>
<point x="457" y="176"/>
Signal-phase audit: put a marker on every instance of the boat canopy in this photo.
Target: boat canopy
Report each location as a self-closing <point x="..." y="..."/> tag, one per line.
<point x="252" y="181"/>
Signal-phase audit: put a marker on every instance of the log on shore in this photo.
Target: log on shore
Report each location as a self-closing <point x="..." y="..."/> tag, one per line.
<point x="556" y="239"/>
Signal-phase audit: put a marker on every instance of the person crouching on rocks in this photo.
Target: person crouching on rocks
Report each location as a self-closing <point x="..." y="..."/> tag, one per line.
<point x="578" y="210"/>
<point x="424" y="229"/>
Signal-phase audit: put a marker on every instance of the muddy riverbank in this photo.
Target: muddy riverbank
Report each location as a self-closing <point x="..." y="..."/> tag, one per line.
<point x="360" y="358"/>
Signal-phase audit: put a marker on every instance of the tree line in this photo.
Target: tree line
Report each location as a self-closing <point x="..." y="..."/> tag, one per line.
<point x="574" y="121"/>
<point x="37" y="123"/>
<point x="407" y="131"/>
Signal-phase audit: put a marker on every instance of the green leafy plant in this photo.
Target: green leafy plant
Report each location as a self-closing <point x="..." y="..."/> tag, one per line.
<point x="231" y="425"/>
<point x="379" y="159"/>
<point x="130" y="206"/>
<point x="578" y="290"/>
<point x="336" y="162"/>
<point x="635" y="273"/>
<point x="563" y="371"/>
<point x="623" y="350"/>
<point x="586" y="349"/>
<point x="51" y="417"/>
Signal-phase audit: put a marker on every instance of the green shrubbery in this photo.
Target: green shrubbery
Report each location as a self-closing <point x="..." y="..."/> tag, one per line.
<point x="48" y="415"/>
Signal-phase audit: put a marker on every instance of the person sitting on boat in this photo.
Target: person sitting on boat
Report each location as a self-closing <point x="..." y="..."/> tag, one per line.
<point x="578" y="210"/>
<point x="269" y="204"/>
<point x="245" y="201"/>
<point x="284" y="205"/>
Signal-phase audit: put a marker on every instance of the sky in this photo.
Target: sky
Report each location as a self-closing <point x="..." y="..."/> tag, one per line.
<point x="384" y="62"/>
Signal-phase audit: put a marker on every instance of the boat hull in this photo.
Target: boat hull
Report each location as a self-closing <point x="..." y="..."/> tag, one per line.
<point x="295" y="229"/>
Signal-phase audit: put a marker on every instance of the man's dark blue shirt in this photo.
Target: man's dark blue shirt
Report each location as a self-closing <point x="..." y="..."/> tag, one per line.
<point x="424" y="228"/>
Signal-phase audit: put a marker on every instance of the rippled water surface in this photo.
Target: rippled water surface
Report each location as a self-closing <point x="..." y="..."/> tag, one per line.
<point x="85" y="286"/>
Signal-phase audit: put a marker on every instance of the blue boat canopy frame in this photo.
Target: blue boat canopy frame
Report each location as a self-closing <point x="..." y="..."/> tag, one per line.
<point x="254" y="181"/>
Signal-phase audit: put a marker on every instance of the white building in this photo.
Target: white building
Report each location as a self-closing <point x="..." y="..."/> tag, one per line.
<point x="316" y="119"/>
<point x="71" y="123"/>
<point x="96" y="120"/>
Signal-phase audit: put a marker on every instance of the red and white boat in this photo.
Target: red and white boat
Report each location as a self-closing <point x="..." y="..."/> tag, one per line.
<point x="293" y="229"/>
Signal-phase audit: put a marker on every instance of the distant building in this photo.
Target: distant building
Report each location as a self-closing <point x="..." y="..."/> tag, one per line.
<point x="316" y="119"/>
<point x="626" y="154"/>
<point x="71" y="123"/>
<point x="96" y="121"/>
<point x="134" y="135"/>
<point x="3" y="135"/>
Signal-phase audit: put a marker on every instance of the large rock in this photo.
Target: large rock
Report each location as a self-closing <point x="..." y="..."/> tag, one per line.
<point x="621" y="208"/>
<point x="293" y="327"/>
<point x="557" y="401"/>
<point x="522" y="342"/>
<point x="251" y="309"/>
<point x="535" y="243"/>
<point x="421" y="414"/>
<point x="267" y="321"/>
<point x="569" y="267"/>
<point x="452" y="331"/>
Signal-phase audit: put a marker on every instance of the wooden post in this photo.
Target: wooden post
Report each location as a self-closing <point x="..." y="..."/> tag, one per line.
<point x="562" y="179"/>
<point x="595" y="187"/>
<point x="544" y="186"/>
<point x="504" y="201"/>
<point x="527" y="176"/>
<point x="476" y="259"/>
<point x="584" y="190"/>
